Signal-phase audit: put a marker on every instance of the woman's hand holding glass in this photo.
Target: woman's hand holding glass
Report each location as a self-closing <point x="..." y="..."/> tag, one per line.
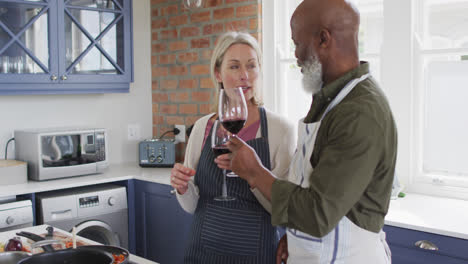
<point x="180" y="177"/>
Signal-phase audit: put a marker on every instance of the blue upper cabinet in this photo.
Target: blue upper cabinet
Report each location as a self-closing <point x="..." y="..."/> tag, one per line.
<point x="65" y="46"/>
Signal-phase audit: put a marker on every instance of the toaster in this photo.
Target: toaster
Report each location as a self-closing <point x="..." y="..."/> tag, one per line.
<point x="157" y="153"/>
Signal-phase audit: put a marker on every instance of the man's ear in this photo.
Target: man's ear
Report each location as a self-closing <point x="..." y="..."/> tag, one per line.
<point x="325" y="38"/>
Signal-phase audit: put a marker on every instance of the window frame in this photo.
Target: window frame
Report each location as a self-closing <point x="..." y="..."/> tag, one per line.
<point x="402" y="80"/>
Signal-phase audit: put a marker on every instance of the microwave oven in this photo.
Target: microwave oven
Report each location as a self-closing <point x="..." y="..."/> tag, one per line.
<point x="62" y="152"/>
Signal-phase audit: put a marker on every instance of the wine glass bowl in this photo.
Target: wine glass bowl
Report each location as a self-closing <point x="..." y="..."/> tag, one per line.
<point x="219" y="138"/>
<point x="232" y="109"/>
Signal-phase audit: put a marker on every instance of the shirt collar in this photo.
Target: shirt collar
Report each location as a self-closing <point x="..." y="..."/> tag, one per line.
<point x="323" y="98"/>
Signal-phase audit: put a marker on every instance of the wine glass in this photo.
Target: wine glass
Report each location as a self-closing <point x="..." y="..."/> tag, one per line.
<point x="232" y="110"/>
<point x="219" y="138"/>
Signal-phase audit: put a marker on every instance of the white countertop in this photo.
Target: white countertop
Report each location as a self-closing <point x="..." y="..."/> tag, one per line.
<point x="437" y="215"/>
<point x="114" y="173"/>
<point x="41" y="229"/>
<point x="443" y="216"/>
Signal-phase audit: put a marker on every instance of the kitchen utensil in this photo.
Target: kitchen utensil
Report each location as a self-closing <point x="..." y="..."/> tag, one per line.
<point x="50" y="232"/>
<point x="35" y="238"/>
<point x="12" y="257"/>
<point x="109" y="249"/>
<point x="69" y="256"/>
<point x="74" y="236"/>
<point x="112" y="250"/>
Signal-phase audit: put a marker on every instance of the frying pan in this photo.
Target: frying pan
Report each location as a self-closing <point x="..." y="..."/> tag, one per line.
<point x="68" y="256"/>
<point x="12" y="257"/>
<point x="110" y="249"/>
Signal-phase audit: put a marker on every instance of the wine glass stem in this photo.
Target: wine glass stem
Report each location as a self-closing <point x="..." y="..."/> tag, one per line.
<point x="224" y="193"/>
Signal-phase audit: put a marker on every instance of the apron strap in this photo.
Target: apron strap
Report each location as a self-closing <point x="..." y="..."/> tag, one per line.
<point x="344" y="92"/>
<point x="263" y="122"/>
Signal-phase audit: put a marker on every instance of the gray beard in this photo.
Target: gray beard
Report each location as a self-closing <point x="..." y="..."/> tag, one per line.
<point x="312" y="75"/>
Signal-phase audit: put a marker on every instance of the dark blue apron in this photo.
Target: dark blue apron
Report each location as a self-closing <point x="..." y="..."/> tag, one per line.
<point x="238" y="231"/>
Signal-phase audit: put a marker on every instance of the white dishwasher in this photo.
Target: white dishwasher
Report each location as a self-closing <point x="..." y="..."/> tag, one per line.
<point x="14" y="215"/>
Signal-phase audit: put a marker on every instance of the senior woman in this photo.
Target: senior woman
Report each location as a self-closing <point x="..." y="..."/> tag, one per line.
<point x="238" y="231"/>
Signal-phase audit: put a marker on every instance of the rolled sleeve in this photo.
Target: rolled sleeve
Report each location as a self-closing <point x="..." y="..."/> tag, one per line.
<point x="280" y="194"/>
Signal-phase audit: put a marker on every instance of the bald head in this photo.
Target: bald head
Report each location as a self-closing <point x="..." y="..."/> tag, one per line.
<point x="330" y="28"/>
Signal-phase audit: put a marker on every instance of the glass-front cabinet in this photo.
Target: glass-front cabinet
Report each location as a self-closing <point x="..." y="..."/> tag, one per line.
<point x="65" y="46"/>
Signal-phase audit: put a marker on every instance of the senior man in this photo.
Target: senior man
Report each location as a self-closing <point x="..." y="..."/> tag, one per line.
<point x="340" y="179"/>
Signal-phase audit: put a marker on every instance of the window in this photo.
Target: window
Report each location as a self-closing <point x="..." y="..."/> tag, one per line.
<point x="289" y="98"/>
<point x="371" y="33"/>
<point x="441" y="64"/>
<point x="418" y="50"/>
<point x="283" y="93"/>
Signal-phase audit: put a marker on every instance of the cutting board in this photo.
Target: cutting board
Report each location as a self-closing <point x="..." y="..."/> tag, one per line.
<point x="13" y="172"/>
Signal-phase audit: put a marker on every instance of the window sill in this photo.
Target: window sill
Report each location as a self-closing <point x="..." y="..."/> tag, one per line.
<point x="443" y="216"/>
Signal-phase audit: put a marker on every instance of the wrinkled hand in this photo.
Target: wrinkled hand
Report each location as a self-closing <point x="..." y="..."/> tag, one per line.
<point x="180" y="177"/>
<point x="282" y="250"/>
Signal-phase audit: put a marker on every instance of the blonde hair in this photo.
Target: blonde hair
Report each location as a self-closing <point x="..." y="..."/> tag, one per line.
<point x="224" y="42"/>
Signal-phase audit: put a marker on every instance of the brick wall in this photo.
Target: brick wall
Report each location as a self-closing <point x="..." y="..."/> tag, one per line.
<point x="182" y="42"/>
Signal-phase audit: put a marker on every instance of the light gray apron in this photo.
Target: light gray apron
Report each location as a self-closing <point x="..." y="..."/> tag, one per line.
<point x="347" y="242"/>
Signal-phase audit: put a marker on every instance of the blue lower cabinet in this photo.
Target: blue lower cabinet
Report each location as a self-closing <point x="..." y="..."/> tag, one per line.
<point x="404" y="251"/>
<point x="162" y="226"/>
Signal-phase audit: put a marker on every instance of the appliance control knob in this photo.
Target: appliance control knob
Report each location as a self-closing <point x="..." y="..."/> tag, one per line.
<point x="159" y="159"/>
<point x="10" y="220"/>
<point x="111" y="201"/>
<point x="152" y="158"/>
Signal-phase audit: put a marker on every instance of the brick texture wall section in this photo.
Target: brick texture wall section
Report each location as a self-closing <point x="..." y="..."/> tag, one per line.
<point x="182" y="43"/>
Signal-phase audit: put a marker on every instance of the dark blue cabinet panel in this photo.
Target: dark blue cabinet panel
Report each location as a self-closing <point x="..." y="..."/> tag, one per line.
<point x="402" y="243"/>
<point x="162" y="226"/>
<point x="60" y="47"/>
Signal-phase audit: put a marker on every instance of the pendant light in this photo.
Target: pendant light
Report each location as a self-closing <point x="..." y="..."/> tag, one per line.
<point x="191" y="4"/>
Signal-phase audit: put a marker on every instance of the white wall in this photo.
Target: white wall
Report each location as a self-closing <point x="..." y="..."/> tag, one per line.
<point x="111" y="111"/>
<point x="397" y="78"/>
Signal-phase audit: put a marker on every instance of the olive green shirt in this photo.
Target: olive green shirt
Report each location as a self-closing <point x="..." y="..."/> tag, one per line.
<point x="353" y="159"/>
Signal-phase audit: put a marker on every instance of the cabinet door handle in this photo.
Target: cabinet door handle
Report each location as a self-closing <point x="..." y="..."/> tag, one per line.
<point x="53" y="77"/>
<point x="64" y="77"/>
<point x="427" y="245"/>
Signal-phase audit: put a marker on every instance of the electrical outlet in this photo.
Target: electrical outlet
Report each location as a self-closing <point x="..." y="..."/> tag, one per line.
<point x="133" y="131"/>
<point x="181" y="136"/>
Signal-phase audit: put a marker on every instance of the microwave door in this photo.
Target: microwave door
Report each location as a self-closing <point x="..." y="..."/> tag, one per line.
<point x="60" y="150"/>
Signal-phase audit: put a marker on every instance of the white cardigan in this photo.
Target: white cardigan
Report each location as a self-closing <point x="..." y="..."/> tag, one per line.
<point x="282" y="144"/>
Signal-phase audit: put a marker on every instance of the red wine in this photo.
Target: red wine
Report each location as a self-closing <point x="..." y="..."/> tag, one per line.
<point x="218" y="150"/>
<point x="233" y="126"/>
